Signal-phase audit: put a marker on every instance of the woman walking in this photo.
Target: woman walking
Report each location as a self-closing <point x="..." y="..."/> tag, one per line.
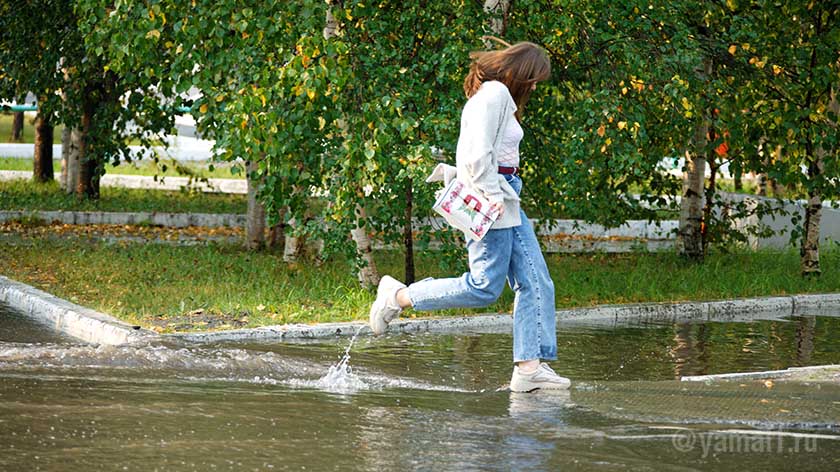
<point x="497" y="86"/>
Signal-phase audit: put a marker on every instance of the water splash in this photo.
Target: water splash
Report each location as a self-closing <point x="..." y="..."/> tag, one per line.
<point x="340" y="378"/>
<point x="195" y="364"/>
<point x="176" y="361"/>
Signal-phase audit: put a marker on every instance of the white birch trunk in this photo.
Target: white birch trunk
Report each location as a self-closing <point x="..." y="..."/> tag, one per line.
<point x="689" y="236"/>
<point x="809" y="262"/>
<point x="690" y="233"/>
<point x="65" y="156"/>
<point x="777" y="188"/>
<point x="330" y="25"/>
<point x="255" y="220"/>
<point x="71" y="147"/>
<point x="368" y="275"/>
<point x="73" y="166"/>
<point x="293" y="247"/>
<point x="499" y="9"/>
<point x="761" y="190"/>
<point x="277" y="233"/>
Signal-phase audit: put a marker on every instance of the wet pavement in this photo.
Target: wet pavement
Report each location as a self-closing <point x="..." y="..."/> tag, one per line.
<point x="422" y="402"/>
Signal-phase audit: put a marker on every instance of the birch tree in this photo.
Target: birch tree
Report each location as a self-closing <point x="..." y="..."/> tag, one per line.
<point x="43" y="156"/>
<point x="17" y="127"/>
<point x="690" y="233"/>
<point x="255" y="218"/>
<point x="343" y="107"/>
<point x="498" y="11"/>
<point x="45" y="52"/>
<point x="370" y="77"/>
<point x="790" y="98"/>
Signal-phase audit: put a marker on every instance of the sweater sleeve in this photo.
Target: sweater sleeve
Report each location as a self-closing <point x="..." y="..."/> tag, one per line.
<point x="480" y="126"/>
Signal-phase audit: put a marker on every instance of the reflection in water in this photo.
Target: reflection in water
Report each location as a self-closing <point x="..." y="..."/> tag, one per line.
<point x="468" y="353"/>
<point x="805" y="339"/>
<point x="538" y="407"/>
<point x="542" y="411"/>
<point x="683" y="350"/>
<point x="705" y="348"/>
<point x="690" y="352"/>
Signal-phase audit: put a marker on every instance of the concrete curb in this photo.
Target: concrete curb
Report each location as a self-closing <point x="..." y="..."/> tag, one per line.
<point x="721" y="310"/>
<point x="327" y="330"/>
<point x="815" y="303"/>
<point x="725" y="310"/>
<point x="98" y="328"/>
<point x="73" y="320"/>
<point x="767" y="374"/>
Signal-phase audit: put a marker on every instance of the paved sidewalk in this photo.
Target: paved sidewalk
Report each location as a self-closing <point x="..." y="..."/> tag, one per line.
<point x="236" y="186"/>
<point x="180" y="148"/>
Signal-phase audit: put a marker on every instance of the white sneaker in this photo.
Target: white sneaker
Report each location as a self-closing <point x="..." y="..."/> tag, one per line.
<point x="542" y="378"/>
<point x="385" y="308"/>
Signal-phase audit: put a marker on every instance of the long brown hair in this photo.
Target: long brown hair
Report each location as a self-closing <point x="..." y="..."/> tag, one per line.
<point x="518" y="66"/>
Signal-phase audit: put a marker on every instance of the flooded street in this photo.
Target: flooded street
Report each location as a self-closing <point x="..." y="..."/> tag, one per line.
<point x="422" y="402"/>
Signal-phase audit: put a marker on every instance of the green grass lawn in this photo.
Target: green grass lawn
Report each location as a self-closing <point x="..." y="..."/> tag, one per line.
<point x="27" y="195"/>
<point x="6" y="120"/>
<point x="28" y="134"/>
<point x="200" y="169"/>
<point x="147" y="284"/>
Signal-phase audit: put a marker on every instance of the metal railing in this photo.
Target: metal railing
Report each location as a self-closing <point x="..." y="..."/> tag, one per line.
<point x="18" y="108"/>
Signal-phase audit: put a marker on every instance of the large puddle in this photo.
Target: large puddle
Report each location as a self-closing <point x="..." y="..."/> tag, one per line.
<point x="423" y="402"/>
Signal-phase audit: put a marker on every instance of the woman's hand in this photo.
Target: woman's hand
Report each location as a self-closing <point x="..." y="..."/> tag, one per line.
<point x="497" y="207"/>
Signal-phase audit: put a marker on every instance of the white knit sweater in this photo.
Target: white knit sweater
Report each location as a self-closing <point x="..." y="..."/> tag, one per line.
<point x="483" y="121"/>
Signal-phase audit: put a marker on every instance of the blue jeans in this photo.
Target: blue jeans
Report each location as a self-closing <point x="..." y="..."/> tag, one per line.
<point x="509" y="253"/>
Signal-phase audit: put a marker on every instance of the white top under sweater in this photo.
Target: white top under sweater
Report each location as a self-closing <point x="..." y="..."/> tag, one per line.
<point x="509" y="150"/>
